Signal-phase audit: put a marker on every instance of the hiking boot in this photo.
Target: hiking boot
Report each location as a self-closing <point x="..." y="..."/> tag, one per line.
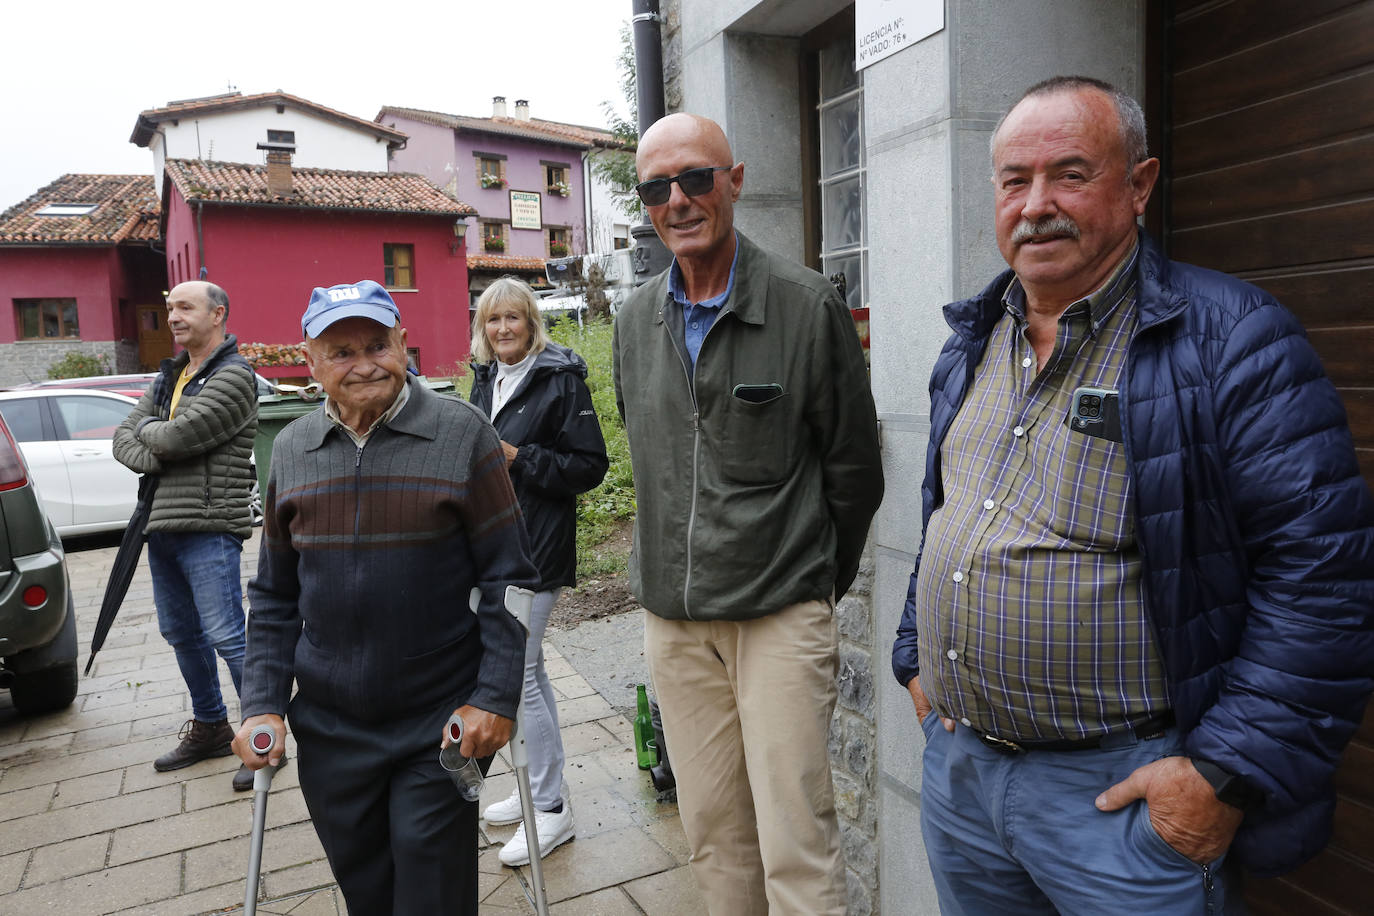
<point x="199" y="741"/>
<point x="243" y="779"/>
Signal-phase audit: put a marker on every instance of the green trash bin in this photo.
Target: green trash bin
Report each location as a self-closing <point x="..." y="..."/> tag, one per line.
<point x="277" y="410"/>
<point x="274" y="412"/>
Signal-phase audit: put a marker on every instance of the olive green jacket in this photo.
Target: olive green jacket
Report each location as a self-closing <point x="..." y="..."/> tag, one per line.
<point x="756" y="480"/>
<point x="202" y="457"/>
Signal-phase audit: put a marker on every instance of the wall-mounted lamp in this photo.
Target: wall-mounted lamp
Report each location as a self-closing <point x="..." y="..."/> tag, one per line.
<point x="460" y="231"/>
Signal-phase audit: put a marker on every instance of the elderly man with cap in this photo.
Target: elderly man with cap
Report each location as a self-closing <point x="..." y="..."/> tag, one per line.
<point x="384" y="510"/>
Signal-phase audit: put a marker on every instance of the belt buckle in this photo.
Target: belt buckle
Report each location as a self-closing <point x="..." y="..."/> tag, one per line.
<point x="1001" y="745"/>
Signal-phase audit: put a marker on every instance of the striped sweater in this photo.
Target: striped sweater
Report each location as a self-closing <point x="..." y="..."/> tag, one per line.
<point x="367" y="560"/>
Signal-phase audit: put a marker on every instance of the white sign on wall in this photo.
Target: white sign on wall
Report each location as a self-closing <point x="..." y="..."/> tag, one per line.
<point x="884" y="27"/>
<point x="524" y="210"/>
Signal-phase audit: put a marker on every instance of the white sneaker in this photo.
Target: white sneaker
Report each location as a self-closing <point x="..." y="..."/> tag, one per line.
<point x="506" y="811"/>
<point x="554" y="830"/>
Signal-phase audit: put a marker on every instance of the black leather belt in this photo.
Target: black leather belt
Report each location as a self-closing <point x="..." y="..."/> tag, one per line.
<point x="1141" y="731"/>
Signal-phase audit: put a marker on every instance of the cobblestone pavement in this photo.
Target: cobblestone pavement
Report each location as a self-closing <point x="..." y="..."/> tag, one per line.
<point x="88" y="827"/>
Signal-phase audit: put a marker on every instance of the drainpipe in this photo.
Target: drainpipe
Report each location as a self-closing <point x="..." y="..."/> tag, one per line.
<point x="587" y="214"/>
<point x="200" y="243"/>
<point x="650" y="256"/>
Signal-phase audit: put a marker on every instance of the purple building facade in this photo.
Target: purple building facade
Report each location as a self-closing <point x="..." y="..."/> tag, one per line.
<point x="527" y="177"/>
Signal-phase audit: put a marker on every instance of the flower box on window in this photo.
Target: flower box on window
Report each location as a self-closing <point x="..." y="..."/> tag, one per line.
<point x="558" y="249"/>
<point x="494" y="244"/>
<point x="560" y="188"/>
<point x="493" y="181"/>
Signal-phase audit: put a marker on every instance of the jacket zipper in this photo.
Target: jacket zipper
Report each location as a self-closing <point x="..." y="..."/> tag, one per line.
<point x="696" y="451"/>
<point x="357" y="494"/>
<point x="1123" y="411"/>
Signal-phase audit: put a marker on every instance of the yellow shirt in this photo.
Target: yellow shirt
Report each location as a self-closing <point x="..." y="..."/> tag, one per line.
<point x="176" y="392"/>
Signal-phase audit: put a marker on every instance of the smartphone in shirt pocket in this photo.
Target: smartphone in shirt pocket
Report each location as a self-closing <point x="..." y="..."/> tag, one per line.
<point x="1096" y="412"/>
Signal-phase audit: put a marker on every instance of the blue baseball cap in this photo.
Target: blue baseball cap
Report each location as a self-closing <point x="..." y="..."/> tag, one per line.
<point x="364" y="299"/>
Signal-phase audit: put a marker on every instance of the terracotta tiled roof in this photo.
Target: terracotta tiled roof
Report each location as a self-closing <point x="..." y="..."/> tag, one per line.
<point x="533" y="129"/>
<point x="126" y="210"/>
<point x="261" y="354"/>
<point x="315" y="189"/>
<point x="233" y="101"/>
<point x="482" y="261"/>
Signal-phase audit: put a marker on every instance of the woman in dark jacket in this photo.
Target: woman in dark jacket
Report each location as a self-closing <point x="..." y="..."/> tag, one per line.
<point x="536" y="395"/>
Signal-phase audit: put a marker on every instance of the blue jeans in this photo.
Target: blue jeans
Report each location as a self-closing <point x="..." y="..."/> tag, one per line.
<point x="541" y="711"/>
<point x="1020" y="834"/>
<point x="199" y="602"/>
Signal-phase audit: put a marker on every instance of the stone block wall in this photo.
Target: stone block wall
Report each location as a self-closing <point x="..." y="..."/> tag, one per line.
<point x="670" y="35"/>
<point x="853" y="733"/>
<point x="126" y="357"/>
<point x="28" y="361"/>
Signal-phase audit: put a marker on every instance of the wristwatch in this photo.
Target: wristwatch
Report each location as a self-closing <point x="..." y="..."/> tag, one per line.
<point x="1230" y="788"/>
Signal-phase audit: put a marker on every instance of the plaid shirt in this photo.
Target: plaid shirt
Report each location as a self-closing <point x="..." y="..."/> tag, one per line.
<point x="1032" y="619"/>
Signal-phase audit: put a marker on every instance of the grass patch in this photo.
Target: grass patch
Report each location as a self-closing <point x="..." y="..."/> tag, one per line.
<point x="604" y="511"/>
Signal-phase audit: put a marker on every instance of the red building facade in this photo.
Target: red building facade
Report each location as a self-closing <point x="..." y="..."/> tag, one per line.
<point x="269" y="246"/>
<point x="78" y="260"/>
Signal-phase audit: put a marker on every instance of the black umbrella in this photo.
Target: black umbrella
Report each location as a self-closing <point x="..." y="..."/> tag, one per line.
<point x="125" y="562"/>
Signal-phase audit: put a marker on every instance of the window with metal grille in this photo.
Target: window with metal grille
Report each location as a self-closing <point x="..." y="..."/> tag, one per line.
<point x="842" y="173"/>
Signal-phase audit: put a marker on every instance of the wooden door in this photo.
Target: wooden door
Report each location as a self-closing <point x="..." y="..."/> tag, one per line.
<point x="154" y="337"/>
<point x="1268" y="150"/>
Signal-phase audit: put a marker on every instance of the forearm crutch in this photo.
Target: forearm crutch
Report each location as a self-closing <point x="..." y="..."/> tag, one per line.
<point x="519" y="602"/>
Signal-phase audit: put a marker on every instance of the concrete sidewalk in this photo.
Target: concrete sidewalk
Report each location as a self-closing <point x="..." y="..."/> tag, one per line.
<point x="88" y="827"/>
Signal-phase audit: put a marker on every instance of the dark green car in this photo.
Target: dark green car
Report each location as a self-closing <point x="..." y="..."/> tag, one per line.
<point x="37" y="619"/>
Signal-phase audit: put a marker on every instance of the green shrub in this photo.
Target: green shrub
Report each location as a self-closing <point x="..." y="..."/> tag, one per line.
<point x="601" y="510"/>
<point x="79" y="365"/>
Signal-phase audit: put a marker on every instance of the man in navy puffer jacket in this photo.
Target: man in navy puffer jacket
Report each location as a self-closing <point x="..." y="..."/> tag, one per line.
<point x="1144" y="620"/>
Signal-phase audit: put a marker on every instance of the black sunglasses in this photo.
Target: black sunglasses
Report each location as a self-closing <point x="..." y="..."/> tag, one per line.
<point x="694" y="183"/>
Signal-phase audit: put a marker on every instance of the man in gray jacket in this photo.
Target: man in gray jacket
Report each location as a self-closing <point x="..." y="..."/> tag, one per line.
<point x="754" y="443"/>
<point x="192" y="431"/>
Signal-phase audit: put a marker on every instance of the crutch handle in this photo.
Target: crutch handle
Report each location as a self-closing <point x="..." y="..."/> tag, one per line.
<point x="262" y="739"/>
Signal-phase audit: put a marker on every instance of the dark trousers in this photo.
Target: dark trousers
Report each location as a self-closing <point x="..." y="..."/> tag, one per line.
<point x="399" y="839"/>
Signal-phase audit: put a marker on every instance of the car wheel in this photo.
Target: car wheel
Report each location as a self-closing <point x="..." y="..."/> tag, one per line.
<point x="45" y="690"/>
<point x="255" y="505"/>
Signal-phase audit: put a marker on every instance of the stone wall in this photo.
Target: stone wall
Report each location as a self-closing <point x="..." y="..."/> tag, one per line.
<point x="126" y="357"/>
<point x="671" y="40"/>
<point x="853" y="731"/>
<point x="28" y="361"/>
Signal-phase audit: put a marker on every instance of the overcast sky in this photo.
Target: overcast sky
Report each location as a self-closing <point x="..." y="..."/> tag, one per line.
<point x="76" y="74"/>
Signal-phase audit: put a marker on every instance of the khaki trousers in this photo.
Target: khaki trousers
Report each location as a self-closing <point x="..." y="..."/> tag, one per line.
<point x="746" y="712"/>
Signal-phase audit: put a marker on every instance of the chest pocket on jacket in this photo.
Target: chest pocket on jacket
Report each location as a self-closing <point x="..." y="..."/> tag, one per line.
<point x="757" y="433"/>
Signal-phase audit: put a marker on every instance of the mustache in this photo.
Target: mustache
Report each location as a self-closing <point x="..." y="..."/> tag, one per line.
<point x="1050" y="226"/>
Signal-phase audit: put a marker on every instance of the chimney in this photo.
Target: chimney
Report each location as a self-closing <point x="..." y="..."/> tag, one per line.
<point x="279" y="173"/>
<point x="280" y="146"/>
<point x="498" y="106"/>
<point x="522" y="109"/>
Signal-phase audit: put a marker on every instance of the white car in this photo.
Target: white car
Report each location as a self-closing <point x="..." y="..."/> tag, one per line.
<point x="66" y="436"/>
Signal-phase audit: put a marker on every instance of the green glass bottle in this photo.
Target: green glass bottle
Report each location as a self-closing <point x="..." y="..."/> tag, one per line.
<point x="645" y="753"/>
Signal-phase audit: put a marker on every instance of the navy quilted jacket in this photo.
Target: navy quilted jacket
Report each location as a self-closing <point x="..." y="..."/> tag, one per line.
<point x="1255" y="528"/>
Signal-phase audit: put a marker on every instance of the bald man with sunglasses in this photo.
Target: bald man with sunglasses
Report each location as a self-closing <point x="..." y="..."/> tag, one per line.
<point x="753" y="438"/>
